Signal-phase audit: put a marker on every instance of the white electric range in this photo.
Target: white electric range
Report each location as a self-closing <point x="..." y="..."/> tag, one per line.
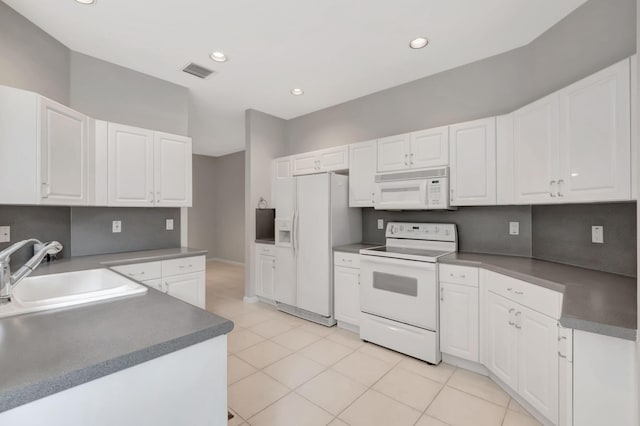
<point x="399" y="288"/>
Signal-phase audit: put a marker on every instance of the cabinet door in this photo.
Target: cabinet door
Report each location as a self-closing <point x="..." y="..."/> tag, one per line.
<point x="502" y="339"/>
<point x="362" y="174"/>
<point x="595" y="137"/>
<point x="429" y="148"/>
<point x="266" y="277"/>
<point x="282" y="168"/>
<point x="188" y="287"/>
<point x="347" y="295"/>
<point x="565" y="381"/>
<point x="305" y="164"/>
<point x="535" y="152"/>
<point x="131" y="168"/>
<point x="459" y="321"/>
<point x="333" y="159"/>
<point x="63" y="154"/>
<point x="172" y="167"/>
<point x="538" y="361"/>
<point x="473" y="163"/>
<point x="393" y="153"/>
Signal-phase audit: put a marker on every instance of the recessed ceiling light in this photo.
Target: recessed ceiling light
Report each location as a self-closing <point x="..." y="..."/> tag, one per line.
<point x="297" y="92"/>
<point x="86" y="1"/>
<point x="218" y="56"/>
<point x="418" y="43"/>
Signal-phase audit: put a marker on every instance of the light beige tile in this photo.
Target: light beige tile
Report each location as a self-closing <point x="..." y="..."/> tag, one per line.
<point x="331" y="391"/>
<point x="346" y="338"/>
<point x="294" y="370"/>
<point x="514" y="418"/>
<point x="252" y="318"/>
<point x="292" y="410"/>
<point x="440" y="373"/>
<point x="263" y="354"/>
<point x="410" y="389"/>
<point x="236" y="420"/>
<point x="326" y="352"/>
<point x="318" y="329"/>
<point x="478" y="385"/>
<point x="337" y="422"/>
<point x="376" y="409"/>
<point x="515" y="406"/>
<point x="238" y="369"/>
<point x="382" y="353"/>
<point x="253" y="393"/>
<point x="296" y="339"/>
<point x="242" y="340"/>
<point x="271" y="328"/>
<point x="362" y="368"/>
<point x="461" y="409"/>
<point x="430" y="421"/>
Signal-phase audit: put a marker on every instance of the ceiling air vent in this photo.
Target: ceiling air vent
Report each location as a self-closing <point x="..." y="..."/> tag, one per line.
<point x="197" y="70"/>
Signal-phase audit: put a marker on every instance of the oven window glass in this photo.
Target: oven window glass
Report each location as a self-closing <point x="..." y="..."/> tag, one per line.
<point x="407" y="286"/>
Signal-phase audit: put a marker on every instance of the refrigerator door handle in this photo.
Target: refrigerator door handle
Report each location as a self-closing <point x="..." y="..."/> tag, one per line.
<point x="294" y="231"/>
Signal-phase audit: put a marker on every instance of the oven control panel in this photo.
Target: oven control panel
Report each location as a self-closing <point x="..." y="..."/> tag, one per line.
<point x="422" y="231"/>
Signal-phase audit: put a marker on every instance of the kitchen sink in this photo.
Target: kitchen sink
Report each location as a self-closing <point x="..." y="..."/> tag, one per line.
<point x="53" y="291"/>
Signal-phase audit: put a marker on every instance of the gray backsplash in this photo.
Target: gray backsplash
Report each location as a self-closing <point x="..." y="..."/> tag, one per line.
<point x="142" y="229"/>
<point x="562" y="233"/>
<point x="43" y="223"/>
<point x="480" y="229"/>
<point x="558" y="233"/>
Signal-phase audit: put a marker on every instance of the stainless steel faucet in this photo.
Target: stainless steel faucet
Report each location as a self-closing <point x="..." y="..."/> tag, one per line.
<point x="8" y="281"/>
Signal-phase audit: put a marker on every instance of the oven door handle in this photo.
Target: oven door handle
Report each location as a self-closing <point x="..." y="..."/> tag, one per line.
<point x="381" y="260"/>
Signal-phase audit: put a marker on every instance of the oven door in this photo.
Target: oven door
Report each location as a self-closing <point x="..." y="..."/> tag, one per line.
<point x="400" y="290"/>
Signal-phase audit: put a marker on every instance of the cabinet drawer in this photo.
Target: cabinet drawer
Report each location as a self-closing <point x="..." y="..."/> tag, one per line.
<point x="185" y="265"/>
<point x="350" y="260"/>
<point x="141" y="271"/>
<point x="266" y="249"/>
<point x="455" y="274"/>
<point x="538" y="298"/>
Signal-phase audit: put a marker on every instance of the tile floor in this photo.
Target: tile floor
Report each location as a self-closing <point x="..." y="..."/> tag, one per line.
<point x="286" y="371"/>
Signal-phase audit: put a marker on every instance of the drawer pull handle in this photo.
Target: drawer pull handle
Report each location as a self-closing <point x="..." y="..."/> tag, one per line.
<point x="518" y="314"/>
<point x="509" y="289"/>
<point x="463" y="276"/>
<point x="133" y="274"/>
<point x="519" y="292"/>
<point x="185" y="266"/>
<point x="562" y="356"/>
<point x="510" y="312"/>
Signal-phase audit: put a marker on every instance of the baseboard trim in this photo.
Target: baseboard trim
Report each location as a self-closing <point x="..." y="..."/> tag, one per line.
<point x="250" y="299"/>
<point x="231" y="262"/>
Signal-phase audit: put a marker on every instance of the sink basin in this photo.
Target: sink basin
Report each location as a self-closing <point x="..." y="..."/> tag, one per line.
<point x="46" y="292"/>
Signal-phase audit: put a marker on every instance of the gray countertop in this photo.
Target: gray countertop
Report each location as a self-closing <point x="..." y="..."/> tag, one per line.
<point x="593" y="301"/>
<point x="47" y="352"/>
<point x="355" y="248"/>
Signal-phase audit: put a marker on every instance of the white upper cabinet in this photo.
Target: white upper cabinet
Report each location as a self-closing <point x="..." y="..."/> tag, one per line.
<point x="282" y="168"/>
<point x="64" y="154"/>
<point x="393" y="153"/>
<point x="43" y="151"/>
<point x="473" y="163"/>
<point x="148" y="168"/>
<point x="595" y="139"/>
<point x="173" y="175"/>
<point x="324" y="160"/>
<point x="429" y="148"/>
<point x="362" y="173"/>
<point x="535" y="151"/>
<point x="131" y="166"/>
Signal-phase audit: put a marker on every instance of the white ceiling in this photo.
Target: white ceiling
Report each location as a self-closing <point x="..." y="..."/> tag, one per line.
<point x="336" y="50"/>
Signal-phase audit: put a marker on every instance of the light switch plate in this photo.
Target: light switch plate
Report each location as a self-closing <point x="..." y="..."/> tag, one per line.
<point x="5" y="234"/>
<point x="597" y="234"/>
<point x="380" y="223"/>
<point x="116" y="226"/>
<point x="514" y="228"/>
<point x="169" y="225"/>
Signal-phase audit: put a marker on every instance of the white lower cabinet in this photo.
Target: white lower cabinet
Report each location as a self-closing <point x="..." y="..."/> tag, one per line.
<point x="265" y="271"/>
<point x="183" y="278"/>
<point x="346" y="288"/>
<point x="459" y="320"/>
<point x="502" y="340"/>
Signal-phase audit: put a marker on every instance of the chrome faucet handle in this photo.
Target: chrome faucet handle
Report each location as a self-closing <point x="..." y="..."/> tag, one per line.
<point x="5" y="255"/>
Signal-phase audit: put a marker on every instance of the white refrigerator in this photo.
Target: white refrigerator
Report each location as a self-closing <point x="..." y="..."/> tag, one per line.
<point x="312" y="216"/>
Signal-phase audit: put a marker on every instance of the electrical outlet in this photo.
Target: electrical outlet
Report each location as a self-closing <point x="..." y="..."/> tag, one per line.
<point x="380" y="223"/>
<point x="514" y="228"/>
<point x="116" y="226"/>
<point x="597" y="234"/>
<point x="5" y="234"/>
<point x="169" y="225"/>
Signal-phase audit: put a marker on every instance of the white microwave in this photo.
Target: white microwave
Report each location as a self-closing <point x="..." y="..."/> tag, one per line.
<point x="426" y="189"/>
